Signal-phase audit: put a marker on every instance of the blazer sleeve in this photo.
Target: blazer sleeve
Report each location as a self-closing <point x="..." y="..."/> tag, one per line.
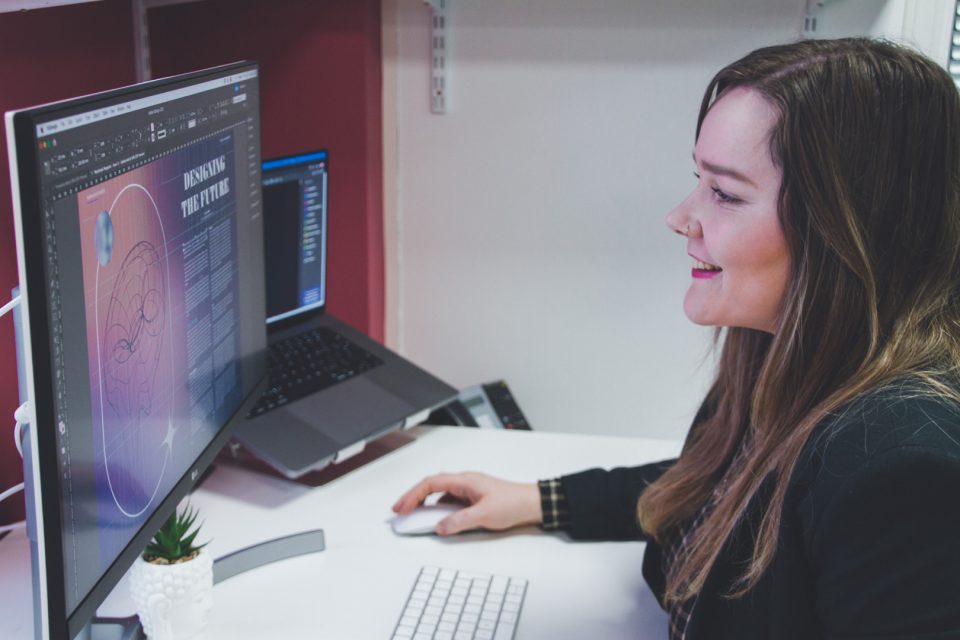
<point x="602" y="504"/>
<point x="886" y="547"/>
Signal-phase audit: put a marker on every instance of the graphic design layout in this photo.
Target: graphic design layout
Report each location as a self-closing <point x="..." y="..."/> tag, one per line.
<point x="160" y="277"/>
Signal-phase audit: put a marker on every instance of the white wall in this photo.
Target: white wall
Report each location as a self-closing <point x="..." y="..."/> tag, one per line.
<point x="922" y="24"/>
<point x="525" y="236"/>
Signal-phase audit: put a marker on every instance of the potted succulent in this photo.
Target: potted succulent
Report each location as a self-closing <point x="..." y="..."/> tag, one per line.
<point x="172" y="581"/>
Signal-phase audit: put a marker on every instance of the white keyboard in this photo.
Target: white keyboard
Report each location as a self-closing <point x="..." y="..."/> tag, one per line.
<point x="446" y="604"/>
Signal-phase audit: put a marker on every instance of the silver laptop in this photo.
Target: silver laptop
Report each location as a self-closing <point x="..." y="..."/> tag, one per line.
<point x="331" y="387"/>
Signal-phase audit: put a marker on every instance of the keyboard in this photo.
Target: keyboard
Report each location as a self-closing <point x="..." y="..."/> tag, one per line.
<point x="308" y="362"/>
<point x="446" y="604"/>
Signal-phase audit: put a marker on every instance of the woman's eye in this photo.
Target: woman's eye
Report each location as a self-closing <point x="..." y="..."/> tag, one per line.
<point x="724" y="197"/>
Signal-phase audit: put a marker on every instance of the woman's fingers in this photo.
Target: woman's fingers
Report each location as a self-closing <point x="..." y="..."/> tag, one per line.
<point x="415" y="496"/>
<point x="463" y="520"/>
<point x="492" y="503"/>
<point x="454" y="484"/>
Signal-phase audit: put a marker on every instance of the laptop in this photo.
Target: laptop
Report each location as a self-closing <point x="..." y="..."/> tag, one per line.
<point x="331" y="387"/>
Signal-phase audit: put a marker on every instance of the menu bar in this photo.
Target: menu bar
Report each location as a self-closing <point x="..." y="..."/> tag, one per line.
<point x="88" y="117"/>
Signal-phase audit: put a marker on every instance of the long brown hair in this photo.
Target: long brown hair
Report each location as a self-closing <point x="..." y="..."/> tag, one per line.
<point x="868" y="141"/>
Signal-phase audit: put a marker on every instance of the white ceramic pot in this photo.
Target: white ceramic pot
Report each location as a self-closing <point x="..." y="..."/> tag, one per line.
<point x="173" y="600"/>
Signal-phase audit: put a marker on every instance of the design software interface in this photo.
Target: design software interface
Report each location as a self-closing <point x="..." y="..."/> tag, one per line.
<point x="295" y="202"/>
<point x="148" y="209"/>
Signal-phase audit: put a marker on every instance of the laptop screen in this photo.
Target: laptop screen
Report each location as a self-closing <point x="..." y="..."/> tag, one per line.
<point x="295" y="233"/>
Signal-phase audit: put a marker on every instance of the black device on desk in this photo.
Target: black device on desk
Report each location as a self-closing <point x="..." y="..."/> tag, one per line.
<point x="331" y="387"/>
<point x="140" y="255"/>
<point x="490" y="406"/>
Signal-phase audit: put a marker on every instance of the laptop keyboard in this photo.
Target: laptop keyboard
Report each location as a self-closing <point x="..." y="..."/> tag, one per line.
<point x="446" y="604"/>
<point x="308" y="362"/>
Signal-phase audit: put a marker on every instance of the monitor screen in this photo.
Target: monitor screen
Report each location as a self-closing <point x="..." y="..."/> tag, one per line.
<point x="140" y="245"/>
<point x="295" y="233"/>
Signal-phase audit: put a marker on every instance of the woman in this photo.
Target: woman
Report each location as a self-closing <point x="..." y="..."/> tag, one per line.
<point x="818" y="492"/>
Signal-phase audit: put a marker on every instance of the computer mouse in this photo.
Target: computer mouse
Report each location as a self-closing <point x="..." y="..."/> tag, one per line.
<point x="422" y="520"/>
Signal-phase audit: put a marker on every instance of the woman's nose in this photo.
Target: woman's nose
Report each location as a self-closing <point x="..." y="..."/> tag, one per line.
<point x="681" y="220"/>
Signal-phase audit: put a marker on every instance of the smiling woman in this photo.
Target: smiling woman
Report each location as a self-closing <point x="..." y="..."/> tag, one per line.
<point x="741" y="261"/>
<point x="815" y="496"/>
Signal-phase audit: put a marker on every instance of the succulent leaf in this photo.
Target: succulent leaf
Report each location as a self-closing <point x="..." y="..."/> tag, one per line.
<point x="175" y="540"/>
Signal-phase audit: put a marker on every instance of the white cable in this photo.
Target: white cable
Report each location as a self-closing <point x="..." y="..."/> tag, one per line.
<point x="11" y="491"/>
<point x="16" y="438"/>
<point x="22" y="417"/>
<point x="22" y="414"/>
<point x="12" y="527"/>
<point x="10" y="305"/>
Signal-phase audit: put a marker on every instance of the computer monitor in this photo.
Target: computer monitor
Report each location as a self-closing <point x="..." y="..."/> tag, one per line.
<point x="295" y="197"/>
<point x="140" y="250"/>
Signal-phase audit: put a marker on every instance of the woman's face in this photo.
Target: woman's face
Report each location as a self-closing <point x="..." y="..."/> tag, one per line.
<point x="740" y="257"/>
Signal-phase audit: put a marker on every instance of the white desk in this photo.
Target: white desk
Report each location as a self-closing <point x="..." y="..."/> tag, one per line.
<point x="357" y="586"/>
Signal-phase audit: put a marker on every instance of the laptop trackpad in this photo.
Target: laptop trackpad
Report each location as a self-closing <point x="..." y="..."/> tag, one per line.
<point x="351" y="410"/>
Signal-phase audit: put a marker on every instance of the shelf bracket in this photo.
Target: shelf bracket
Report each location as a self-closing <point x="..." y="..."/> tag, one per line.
<point x="439" y="58"/>
<point x="141" y="40"/>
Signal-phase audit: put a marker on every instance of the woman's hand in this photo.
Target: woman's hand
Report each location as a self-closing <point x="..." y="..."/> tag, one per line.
<point x="492" y="503"/>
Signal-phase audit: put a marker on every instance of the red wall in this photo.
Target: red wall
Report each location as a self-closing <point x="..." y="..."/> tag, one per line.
<point x="46" y="55"/>
<point x="320" y="86"/>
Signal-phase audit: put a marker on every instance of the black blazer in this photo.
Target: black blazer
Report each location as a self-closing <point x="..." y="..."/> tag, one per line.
<point x="869" y="544"/>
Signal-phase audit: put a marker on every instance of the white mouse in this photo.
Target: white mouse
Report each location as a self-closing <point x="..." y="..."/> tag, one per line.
<point x="423" y="520"/>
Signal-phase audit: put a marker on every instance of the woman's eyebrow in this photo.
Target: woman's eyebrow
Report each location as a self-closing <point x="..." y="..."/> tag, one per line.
<point x="725" y="171"/>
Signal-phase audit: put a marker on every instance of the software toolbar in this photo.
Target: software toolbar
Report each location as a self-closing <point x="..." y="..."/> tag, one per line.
<point x="71" y="151"/>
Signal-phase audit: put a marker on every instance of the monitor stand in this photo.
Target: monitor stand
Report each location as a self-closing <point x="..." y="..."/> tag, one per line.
<point x="112" y="629"/>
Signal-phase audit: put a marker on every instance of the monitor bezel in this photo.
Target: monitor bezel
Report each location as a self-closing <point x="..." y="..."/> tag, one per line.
<point x="289" y="321"/>
<point x="23" y="142"/>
